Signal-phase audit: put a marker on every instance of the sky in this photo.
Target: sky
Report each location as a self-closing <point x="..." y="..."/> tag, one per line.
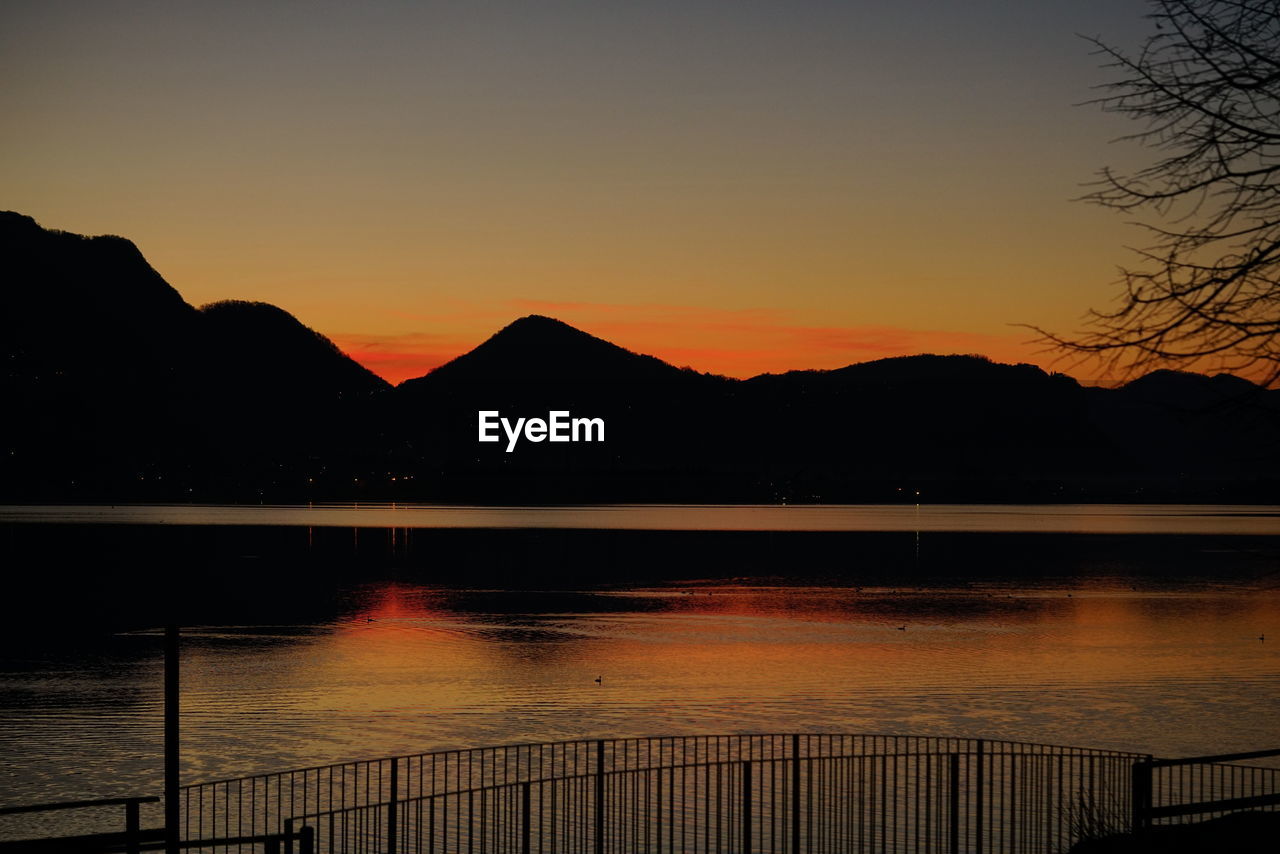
<point x="740" y="186"/>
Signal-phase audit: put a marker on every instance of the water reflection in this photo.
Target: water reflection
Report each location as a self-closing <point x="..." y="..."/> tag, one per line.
<point x="403" y="668"/>
<point x="401" y="519"/>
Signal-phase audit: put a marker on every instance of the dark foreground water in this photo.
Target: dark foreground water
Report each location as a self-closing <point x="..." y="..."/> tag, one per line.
<point x="1159" y="644"/>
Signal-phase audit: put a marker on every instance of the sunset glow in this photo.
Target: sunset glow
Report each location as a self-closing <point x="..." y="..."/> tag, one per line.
<point x="729" y="188"/>
<point x="733" y="343"/>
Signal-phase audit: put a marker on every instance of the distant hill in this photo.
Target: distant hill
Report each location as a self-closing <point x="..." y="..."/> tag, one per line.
<point x="934" y="422"/>
<point x="99" y="361"/>
<point x="949" y="427"/>
<point x="1190" y="392"/>
<point x="89" y="310"/>
<point x="655" y="414"/>
<point x="122" y="388"/>
<point x="123" y="391"/>
<point x="1188" y="425"/>
<point x="281" y="399"/>
<point x="537" y="348"/>
<point x="266" y="347"/>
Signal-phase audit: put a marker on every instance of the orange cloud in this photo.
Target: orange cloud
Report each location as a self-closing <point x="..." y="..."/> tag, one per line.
<point x="747" y="342"/>
<point x="399" y="357"/>
<point x="734" y="342"/>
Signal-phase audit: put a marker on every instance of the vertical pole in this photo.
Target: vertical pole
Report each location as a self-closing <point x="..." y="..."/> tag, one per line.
<point x="132" y="825"/>
<point x="746" y="807"/>
<point x="978" y="799"/>
<point x="955" y="803"/>
<point x="600" y="797"/>
<point x="307" y="840"/>
<point x="288" y="836"/>
<point x="1140" y="796"/>
<point x="1013" y="803"/>
<point x="524" y="818"/>
<point x="172" y="832"/>
<point x="795" y="794"/>
<point x="391" y="806"/>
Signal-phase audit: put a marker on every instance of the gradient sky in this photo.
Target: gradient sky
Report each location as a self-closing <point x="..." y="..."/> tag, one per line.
<point x="738" y="186"/>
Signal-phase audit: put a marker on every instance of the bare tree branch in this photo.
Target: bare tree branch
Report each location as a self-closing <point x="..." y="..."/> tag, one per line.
<point x="1206" y="292"/>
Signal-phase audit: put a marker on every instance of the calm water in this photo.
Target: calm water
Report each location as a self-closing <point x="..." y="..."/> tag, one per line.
<point x="1047" y="518"/>
<point x="1171" y="667"/>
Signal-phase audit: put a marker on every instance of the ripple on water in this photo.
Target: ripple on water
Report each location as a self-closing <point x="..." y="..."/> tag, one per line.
<point x="1163" y="673"/>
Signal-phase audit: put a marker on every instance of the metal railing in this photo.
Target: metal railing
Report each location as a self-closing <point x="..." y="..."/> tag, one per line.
<point x="1176" y="791"/>
<point x="740" y="793"/>
<point x="129" y="840"/>
<point x="134" y="840"/>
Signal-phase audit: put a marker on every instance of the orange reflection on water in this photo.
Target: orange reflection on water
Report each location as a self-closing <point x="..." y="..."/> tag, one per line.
<point x="411" y="668"/>
<point x="735" y="640"/>
<point x="393" y="601"/>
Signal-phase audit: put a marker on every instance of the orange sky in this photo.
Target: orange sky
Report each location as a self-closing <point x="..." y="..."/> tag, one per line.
<point x="740" y="343"/>
<point x="723" y="185"/>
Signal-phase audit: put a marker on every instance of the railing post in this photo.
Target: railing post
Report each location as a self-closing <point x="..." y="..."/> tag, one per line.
<point x="955" y="803"/>
<point x="307" y="840"/>
<point x="524" y="817"/>
<point x="978" y="798"/>
<point x="288" y="836"/>
<point x="600" y="797"/>
<point x="272" y="845"/>
<point x="746" y="807"/>
<point x="172" y="815"/>
<point x="795" y="794"/>
<point x="391" y="806"/>
<point x="1140" y="796"/>
<point x="132" y="825"/>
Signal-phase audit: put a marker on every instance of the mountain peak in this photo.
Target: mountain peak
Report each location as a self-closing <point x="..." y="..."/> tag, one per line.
<point x="540" y="321"/>
<point x="270" y="343"/>
<point x="541" y="348"/>
<point x="543" y="330"/>
<point x="1189" y="390"/>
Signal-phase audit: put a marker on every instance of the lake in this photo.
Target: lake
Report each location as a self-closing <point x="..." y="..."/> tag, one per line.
<point x="991" y="518"/>
<point x="1151" y="642"/>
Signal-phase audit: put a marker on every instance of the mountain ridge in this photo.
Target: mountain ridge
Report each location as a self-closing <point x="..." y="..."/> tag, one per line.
<point x="127" y="391"/>
<point x="547" y="345"/>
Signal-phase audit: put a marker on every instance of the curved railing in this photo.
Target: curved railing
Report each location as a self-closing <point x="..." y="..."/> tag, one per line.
<point x="740" y="793"/>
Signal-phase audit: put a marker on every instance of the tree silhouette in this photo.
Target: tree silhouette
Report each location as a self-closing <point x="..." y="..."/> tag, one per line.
<point x="1206" y="290"/>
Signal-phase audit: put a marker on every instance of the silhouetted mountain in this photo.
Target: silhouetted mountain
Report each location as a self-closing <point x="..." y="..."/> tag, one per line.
<point x="923" y="368"/>
<point x="274" y="380"/>
<point x="954" y="427"/>
<point x="930" y="420"/>
<point x="98" y="359"/>
<point x="266" y="347"/>
<point x="655" y="416"/>
<point x="281" y="398"/>
<point x="1190" y="425"/>
<point x="537" y="348"/>
<point x="1191" y="392"/>
<point x="125" y="391"/>
<point x="89" y="310"/>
